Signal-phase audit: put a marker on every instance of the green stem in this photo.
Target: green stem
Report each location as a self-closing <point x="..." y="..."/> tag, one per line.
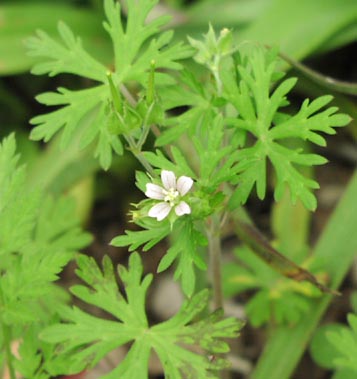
<point x="118" y="106"/>
<point x="215" y="255"/>
<point x="134" y="146"/>
<point x="215" y="252"/>
<point x="146" y="128"/>
<point x="138" y="154"/>
<point x="215" y="72"/>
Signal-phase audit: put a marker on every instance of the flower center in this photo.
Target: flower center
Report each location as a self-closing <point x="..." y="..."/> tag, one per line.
<point x="170" y="196"/>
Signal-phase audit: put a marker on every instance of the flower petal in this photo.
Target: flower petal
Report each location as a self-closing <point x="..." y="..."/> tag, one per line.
<point x="159" y="211"/>
<point x="184" y="184"/>
<point x="168" y="179"/>
<point x="154" y="191"/>
<point x="182" y="209"/>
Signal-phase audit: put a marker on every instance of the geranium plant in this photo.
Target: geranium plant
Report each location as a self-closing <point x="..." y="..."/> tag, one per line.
<point x="199" y="168"/>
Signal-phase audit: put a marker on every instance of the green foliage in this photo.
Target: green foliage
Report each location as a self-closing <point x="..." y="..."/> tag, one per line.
<point x="44" y="239"/>
<point x="337" y="249"/>
<point x="185" y="251"/>
<point x="152" y="234"/>
<point x="252" y="99"/>
<point x="345" y="341"/>
<point x="193" y="94"/>
<point x="277" y="299"/>
<point x="186" y="236"/>
<point x="217" y="159"/>
<point x="231" y="127"/>
<point x="69" y="56"/>
<point x="38" y="237"/>
<point x="212" y="49"/>
<point x="240" y="103"/>
<point x="334" y="346"/>
<point x="258" y="113"/>
<point x="179" y="165"/>
<point x="85" y="339"/>
<point x="36" y="356"/>
<point x="321" y="350"/>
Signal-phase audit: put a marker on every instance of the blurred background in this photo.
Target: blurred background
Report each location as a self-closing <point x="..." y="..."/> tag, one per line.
<point x="318" y="40"/>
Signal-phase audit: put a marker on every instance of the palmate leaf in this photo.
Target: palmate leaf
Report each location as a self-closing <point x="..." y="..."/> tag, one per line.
<point x="85" y="339"/>
<point x="37" y="239"/>
<point x="257" y="108"/>
<point x="134" y="49"/>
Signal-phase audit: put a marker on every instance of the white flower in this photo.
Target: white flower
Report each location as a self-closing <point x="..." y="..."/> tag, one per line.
<point x="170" y="193"/>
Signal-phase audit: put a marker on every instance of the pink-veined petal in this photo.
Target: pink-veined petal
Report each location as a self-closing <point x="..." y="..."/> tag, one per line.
<point x="184" y="184"/>
<point x="159" y="211"/>
<point x="168" y="179"/>
<point x="154" y="191"/>
<point x="182" y="209"/>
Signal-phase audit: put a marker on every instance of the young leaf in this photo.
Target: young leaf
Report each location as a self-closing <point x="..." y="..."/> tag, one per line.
<point x="85" y="339"/>
<point x="217" y="160"/>
<point x="196" y="97"/>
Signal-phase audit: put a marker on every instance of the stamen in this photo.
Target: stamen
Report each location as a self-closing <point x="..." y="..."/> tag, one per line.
<point x="171" y="196"/>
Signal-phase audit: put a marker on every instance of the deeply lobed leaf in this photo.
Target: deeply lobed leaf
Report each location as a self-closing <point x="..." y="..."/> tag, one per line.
<point x="258" y="113"/>
<point x="135" y="48"/>
<point x="85" y="338"/>
<point x="37" y="239"/>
